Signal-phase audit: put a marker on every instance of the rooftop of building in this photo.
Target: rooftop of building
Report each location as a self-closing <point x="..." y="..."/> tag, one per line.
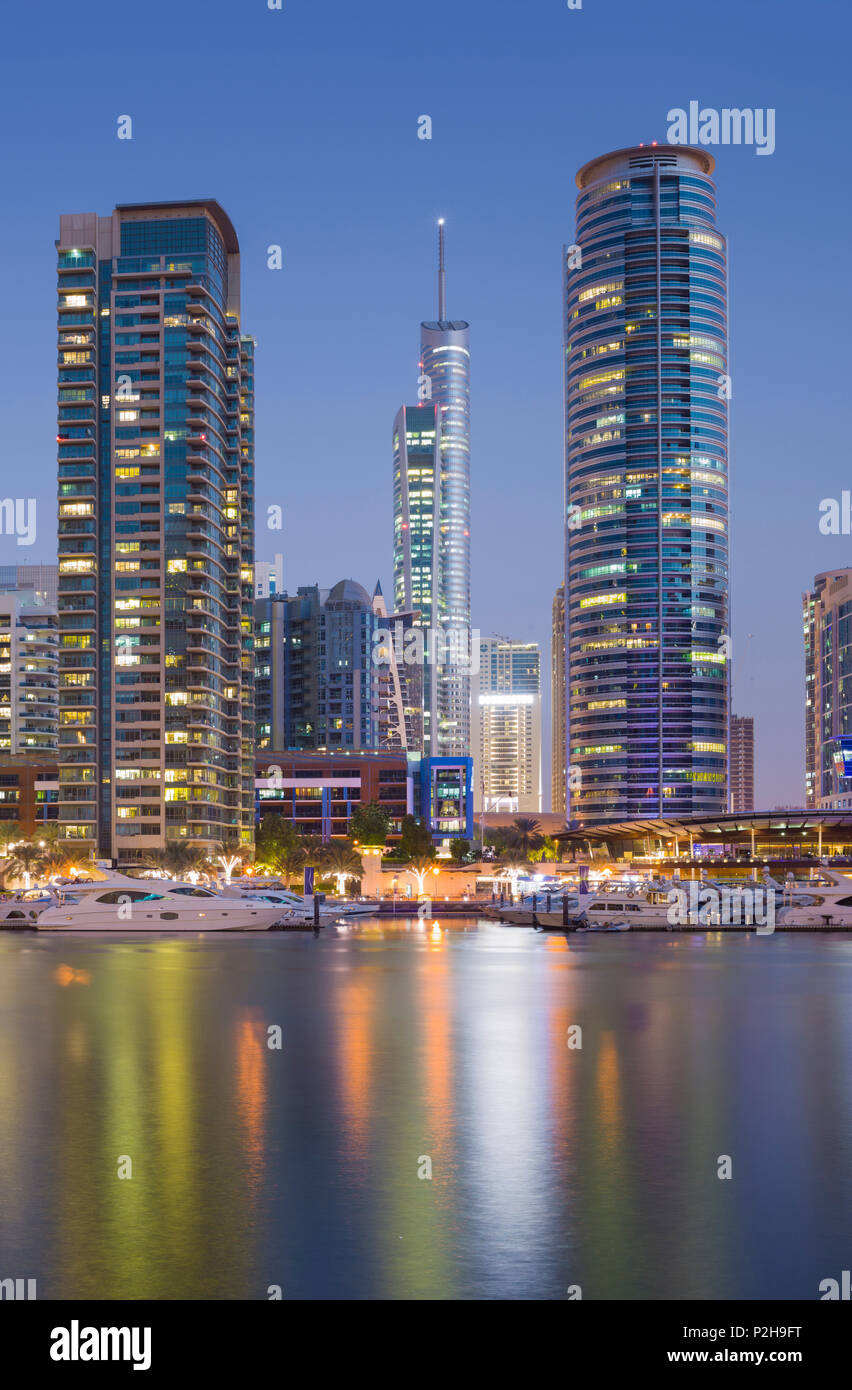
<point x="637" y="155"/>
<point x="349" y="591"/>
<point x="209" y="205"/>
<point x="729" y="828"/>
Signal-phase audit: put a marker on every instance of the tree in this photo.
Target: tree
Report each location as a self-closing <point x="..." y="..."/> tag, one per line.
<point x="57" y="861"/>
<point x="416" y="839"/>
<point x="10" y="833"/>
<point x="229" y="862"/>
<point x="275" y="833"/>
<point x="25" y="861"/>
<point x="369" y="825"/>
<point x="179" y="859"/>
<point x="549" y="852"/>
<point x="512" y="864"/>
<point x="341" y="862"/>
<point x="459" y="851"/>
<point x="314" y="849"/>
<point x="420" y="866"/>
<point x="286" y="860"/>
<point x="525" y="835"/>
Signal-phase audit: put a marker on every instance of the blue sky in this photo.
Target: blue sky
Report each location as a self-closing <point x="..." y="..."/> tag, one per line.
<point x="303" y="124"/>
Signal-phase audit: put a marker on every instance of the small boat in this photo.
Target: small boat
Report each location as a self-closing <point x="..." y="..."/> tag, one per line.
<point x="605" y="927"/>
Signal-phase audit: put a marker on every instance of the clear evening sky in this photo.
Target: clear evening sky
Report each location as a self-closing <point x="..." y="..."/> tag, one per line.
<point x="303" y="124"/>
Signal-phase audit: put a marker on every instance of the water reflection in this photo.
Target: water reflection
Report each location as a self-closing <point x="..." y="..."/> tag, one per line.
<point x="425" y="1130"/>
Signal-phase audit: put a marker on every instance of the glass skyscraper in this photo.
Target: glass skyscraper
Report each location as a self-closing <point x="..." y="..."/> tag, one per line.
<point x="432" y="523"/>
<point x="646" y="525"/>
<point x="156" y="532"/>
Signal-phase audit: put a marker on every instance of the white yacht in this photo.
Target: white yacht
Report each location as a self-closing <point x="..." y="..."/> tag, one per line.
<point x="119" y="903"/>
<point x="24" y="909"/>
<point x="826" y="903"/>
<point x="300" y="908"/>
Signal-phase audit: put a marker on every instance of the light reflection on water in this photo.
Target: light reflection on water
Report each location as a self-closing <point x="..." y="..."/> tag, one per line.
<point x="406" y="1041"/>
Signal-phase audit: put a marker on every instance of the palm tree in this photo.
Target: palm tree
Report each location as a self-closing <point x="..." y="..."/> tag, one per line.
<point x="25" y="860"/>
<point x="340" y="861"/>
<point x="229" y="858"/>
<point x="180" y="859"/>
<point x="56" y="860"/>
<point x="525" y="835"/>
<point x="420" y="866"/>
<point x="315" y="850"/>
<point x="512" y="863"/>
<point x="10" y="833"/>
<point x="285" y="860"/>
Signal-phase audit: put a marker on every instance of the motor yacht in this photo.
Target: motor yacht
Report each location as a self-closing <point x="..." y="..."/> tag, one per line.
<point x="22" y="910"/>
<point x="119" y="903"/>
<point x="300" y="909"/>
<point x="826" y="903"/>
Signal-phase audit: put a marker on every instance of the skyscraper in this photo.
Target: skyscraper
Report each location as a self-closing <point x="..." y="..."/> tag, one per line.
<point x="317" y="683"/>
<point x="156" y="531"/>
<point x="742" y="763"/>
<point x="507" y="726"/>
<point x="29" y="674"/>
<point x="558" y="775"/>
<point x="646" y="523"/>
<point x="827" y="613"/>
<point x="432" y="523"/>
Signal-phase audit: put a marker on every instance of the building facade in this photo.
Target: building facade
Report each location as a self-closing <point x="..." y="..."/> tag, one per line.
<point x="399" y="663"/>
<point x="29" y="675"/>
<point x="742" y="763"/>
<point x="558" y="734"/>
<point x="318" y="792"/>
<point x="827" y="623"/>
<point x="646" y="524"/>
<point x="269" y="577"/>
<point x="325" y="673"/>
<point x="29" y="792"/>
<point x="431" y="448"/>
<point x="42" y="579"/>
<point x="156" y="532"/>
<point x="506" y="711"/>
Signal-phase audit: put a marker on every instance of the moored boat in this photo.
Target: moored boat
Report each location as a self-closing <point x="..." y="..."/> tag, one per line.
<point x="122" y="904"/>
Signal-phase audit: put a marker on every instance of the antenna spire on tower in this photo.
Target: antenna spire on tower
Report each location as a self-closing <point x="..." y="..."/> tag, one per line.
<point x="442" y="274"/>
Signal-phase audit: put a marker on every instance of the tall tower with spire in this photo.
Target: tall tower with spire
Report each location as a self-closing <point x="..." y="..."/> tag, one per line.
<point x="432" y="522"/>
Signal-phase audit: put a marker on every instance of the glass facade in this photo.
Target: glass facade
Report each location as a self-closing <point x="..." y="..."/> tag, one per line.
<point x="416" y="511"/>
<point x="646" y="524"/>
<point x="156" y="532"/>
<point x="445" y="361"/>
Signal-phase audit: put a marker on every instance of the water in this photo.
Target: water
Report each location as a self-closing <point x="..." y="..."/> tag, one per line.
<point x="551" y="1166"/>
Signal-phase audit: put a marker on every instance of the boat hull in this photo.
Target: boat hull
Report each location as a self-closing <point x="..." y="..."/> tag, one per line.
<point x="239" y="918"/>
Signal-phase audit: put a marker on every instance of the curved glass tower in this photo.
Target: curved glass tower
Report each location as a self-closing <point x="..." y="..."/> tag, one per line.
<point x="432" y="524"/>
<point x="646" y="526"/>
